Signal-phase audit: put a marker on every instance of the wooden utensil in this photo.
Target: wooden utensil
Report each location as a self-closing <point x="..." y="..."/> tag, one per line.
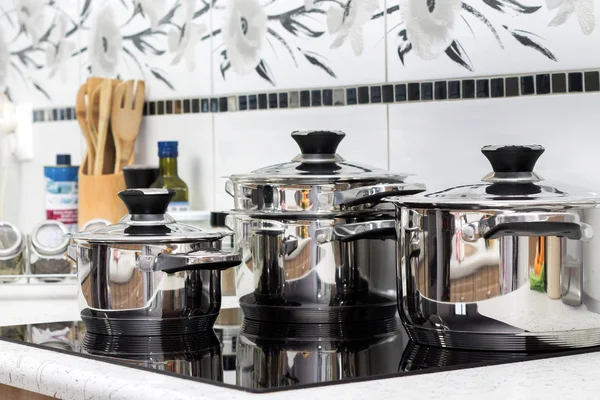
<point x="92" y="118"/>
<point x="126" y="118"/>
<point x="81" y="114"/>
<point x="104" y="107"/>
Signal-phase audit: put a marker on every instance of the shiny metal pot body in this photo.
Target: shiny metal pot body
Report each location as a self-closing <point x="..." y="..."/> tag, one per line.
<point x="317" y="270"/>
<point x="122" y="291"/>
<point x="467" y="278"/>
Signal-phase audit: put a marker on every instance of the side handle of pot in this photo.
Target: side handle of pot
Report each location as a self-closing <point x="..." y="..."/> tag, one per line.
<point x="229" y="187"/>
<point x="380" y="229"/>
<point x="373" y="194"/>
<point x="538" y="224"/>
<point x="209" y="259"/>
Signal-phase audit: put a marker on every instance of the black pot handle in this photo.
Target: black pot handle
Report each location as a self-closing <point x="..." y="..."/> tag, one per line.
<point x="513" y="158"/>
<point x="209" y="259"/>
<point x="562" y="229"/>
<point x="378" y="229"/>
<point x="537" y="224"/>
<point x="318" y="142"/>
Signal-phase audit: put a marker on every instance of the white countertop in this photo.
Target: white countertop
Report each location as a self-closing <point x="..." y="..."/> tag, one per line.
<point x="70" y="377"/>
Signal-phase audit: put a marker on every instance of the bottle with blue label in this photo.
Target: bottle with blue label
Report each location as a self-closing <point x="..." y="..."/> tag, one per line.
<point x="62" y="192"/>
<point x="168" y="178"/>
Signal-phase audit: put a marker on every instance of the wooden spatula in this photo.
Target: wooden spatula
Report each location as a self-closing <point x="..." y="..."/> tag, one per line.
<point x="126" y="118"/>
<point x="92" y="117"/>
<point x="81" y="114"/>
<point x="102" y="164"/>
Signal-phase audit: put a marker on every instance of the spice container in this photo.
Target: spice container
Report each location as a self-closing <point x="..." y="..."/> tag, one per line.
<point x="12" y="248"/>
<point x="48" y="247"/>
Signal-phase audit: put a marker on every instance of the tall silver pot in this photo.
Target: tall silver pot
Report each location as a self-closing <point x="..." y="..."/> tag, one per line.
<point x="510" y="264"/>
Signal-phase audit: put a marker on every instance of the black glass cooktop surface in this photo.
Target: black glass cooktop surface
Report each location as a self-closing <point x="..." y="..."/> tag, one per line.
<point x="262" y="357"/>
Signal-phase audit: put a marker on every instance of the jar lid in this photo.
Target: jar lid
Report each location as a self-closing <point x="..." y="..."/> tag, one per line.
<point x="11" y="239"/>
<point x="318" y="162"/>
<point x="50" y="238"/>
<point x="94" y="224"/>
<point x="512" y="184"/>
<point x="147" y="222"/>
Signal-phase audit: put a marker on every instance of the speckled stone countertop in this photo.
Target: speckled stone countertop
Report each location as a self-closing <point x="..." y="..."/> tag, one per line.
<point x="69" y="377"/>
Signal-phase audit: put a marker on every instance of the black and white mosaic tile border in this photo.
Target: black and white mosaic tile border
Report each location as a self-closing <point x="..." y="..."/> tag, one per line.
<point x="440" y="90"/>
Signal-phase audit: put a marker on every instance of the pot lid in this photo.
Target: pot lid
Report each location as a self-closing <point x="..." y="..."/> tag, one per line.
<point x="318" y="162"/>
<point x="11" y="240"/>
<point x="50" y="238"/>
<point x="147" y="222"/>
<point x="512" y="183"/>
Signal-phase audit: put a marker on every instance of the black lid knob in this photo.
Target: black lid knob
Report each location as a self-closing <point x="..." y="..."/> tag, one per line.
<point x="318" y="142"/>
<point x="513" y="158"/>
<point x="147" y="201"/>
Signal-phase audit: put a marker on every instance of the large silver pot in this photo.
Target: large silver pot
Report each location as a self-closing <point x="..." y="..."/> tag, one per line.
<point x="318" y="246"/>
<point x="509" y="264"/>
<point x="148" y="275"/>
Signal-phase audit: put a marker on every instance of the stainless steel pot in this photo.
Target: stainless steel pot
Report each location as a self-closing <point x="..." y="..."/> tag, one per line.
<point x="279" y="355"/>
<point x="509" y="264"/>
<point x="148" y="275"/>
<point x="317" y="242"/>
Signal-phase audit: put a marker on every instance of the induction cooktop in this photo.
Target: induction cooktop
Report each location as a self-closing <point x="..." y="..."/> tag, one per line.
<point x="260" y="357"/>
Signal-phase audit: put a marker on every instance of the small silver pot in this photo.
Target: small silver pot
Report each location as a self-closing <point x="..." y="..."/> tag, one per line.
<point x="318" y="245"/>
<point x="500" y="265"/>
<point x="148" y="275"/>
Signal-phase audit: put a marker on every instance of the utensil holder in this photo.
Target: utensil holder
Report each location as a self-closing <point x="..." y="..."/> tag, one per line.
<point x="98" y="196"/>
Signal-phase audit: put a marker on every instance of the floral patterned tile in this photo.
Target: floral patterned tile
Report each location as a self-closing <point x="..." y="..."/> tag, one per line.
<point x="452" y="38"/>
<point x="38" y="46"/>
<point x="267" y="44"/>
<point x="164" y="42"/>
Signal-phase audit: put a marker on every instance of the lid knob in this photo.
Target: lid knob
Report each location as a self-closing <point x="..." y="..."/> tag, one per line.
<point x="318" y="142"/>
<point x="513" y="158"/>
<point x="147" y="201"/>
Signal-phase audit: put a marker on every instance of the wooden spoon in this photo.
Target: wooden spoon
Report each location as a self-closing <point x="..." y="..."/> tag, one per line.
<point x="103" y="163"/>
<point x="126" y="118"/>
<point x="81" y="114"/>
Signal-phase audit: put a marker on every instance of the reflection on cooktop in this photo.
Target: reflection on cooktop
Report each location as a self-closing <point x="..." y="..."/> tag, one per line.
<point x="256" y="356"/>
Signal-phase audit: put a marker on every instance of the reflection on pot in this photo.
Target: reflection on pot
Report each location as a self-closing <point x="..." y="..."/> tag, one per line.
<point x="272" y="355"/>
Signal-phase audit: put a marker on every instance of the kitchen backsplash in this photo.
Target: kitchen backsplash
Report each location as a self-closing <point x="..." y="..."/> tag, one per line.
<point x="230" y="79"/>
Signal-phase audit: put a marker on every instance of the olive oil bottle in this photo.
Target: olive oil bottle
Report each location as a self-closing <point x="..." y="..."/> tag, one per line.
<point x="168" y="178"/>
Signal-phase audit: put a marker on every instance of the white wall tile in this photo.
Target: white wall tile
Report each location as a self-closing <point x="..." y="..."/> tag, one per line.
<point x="245" y="141"/>
<point x="145" y="53"/>
<point x="486" y="55"/>
<point x="194" y="134"/>
<point x="33" y="73"/>
<point x="287" y="51"/>
<point x="49" y="139"/>
<point x="442" y="141"/>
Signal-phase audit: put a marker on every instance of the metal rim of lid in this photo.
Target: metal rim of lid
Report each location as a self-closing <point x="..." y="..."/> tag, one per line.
<point x="120" y="237"/>
<point x="323" y="179"/>
<point x="14" y="249"/>
<point x="50" y="251"/>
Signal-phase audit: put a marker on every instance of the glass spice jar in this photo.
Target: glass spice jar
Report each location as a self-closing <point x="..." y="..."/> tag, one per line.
<point x="12" y="249"/>
<point x="48" y="247"/>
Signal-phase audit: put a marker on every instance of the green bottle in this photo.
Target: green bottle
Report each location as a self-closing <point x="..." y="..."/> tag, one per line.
<point x="168" y="178"/>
